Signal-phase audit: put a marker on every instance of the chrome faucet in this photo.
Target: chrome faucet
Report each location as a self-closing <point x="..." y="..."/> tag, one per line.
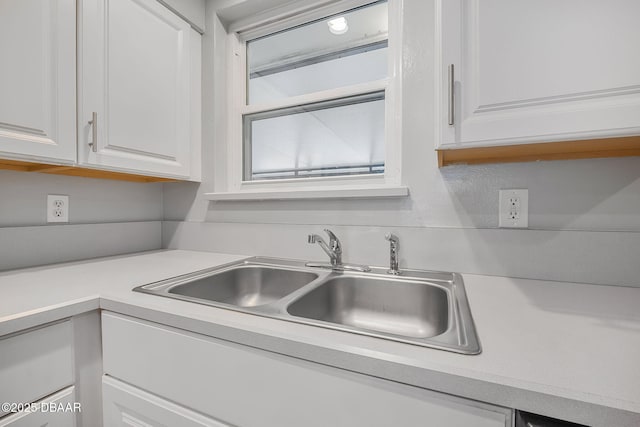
<point x="334" y="250"/>
<point x="394" y="246"/>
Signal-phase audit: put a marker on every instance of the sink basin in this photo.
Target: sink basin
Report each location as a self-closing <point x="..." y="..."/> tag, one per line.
<point x="418" y="307"/>
<point x="246" y="285"/>
<point x="393" y="306"/>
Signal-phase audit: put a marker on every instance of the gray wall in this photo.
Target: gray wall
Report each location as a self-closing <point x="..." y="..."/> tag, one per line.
<point x="105" y="218"/>
<point x="584" y="214"/>
<point x="23" y="197"/>
<point x="583" y="197"/>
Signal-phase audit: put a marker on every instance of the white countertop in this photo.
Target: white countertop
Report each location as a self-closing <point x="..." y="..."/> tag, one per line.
<point x="566" y="350"/>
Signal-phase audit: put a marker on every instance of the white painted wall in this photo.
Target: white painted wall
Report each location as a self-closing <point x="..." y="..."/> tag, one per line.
<point x="599" y="195"/>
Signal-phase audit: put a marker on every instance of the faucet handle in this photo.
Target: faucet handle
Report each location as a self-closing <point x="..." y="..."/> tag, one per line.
<point x="333" y="239"/>
<point x="311" y="238"/>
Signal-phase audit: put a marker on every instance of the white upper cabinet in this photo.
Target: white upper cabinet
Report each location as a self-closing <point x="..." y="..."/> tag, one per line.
<point x="538" y="71"/>
<point x="139" y="63"/>
<point x="38" y="80"/>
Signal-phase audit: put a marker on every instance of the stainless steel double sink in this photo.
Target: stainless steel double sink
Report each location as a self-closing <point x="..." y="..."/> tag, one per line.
<point x="424" y="308"/>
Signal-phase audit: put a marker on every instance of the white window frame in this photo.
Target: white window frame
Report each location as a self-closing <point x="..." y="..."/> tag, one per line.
<point x="387" y="184"/>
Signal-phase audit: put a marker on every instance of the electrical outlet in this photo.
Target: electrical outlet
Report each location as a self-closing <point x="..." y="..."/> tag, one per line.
<point x="514" y="209"/>
<point x="57" y="208"/>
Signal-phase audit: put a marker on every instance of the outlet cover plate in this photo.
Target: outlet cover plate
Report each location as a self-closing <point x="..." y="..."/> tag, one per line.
<point x="57" y="208"/>
<point x="514" y="208"/>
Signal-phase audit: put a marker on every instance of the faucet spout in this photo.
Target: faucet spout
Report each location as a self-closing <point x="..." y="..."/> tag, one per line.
<point x="334" y="250"/>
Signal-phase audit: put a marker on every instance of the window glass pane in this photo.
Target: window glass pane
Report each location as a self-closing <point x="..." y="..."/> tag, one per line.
<point x="340" y="137"/>
<point x="311" y="57"/>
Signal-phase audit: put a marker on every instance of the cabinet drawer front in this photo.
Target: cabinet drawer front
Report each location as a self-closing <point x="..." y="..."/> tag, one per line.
<point x="247" y="387"/>
<point x="36" y="363"/>
<point x="125" y="405"/>
<point x="52" y="417"/>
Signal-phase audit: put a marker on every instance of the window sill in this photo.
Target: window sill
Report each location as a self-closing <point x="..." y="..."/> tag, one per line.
<point x="336" y="192"/>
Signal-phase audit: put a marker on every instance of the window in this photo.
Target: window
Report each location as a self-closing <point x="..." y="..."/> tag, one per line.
<point x="337" y="137"/>
<point x="315" y="99"/>
<point x="316" y="56"/>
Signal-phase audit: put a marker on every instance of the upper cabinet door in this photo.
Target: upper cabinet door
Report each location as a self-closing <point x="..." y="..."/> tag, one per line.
<point x="135" y="80"/>
<point x="538" y="71"/>
<point x="38" y="80"/>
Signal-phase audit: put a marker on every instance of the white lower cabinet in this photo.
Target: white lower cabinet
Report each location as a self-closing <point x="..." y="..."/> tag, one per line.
<point x="58" y="364"/>
<point x="36" y="363"/>
<point x="247" y="387"/>
<point x="125" y="405"/>
<point x="56" y="410"/>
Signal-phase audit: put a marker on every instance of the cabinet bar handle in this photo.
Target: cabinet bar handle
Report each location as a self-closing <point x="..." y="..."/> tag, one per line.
<point x="452" y="98"/>
<point x="94" y="132"/>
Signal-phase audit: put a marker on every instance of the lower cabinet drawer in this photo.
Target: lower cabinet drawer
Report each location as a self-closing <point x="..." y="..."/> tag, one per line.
<point x="57" y="410"/>
<point x="125" y="405"/>
<point x="247" y="387"/>
<point x="36" y="363"/>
